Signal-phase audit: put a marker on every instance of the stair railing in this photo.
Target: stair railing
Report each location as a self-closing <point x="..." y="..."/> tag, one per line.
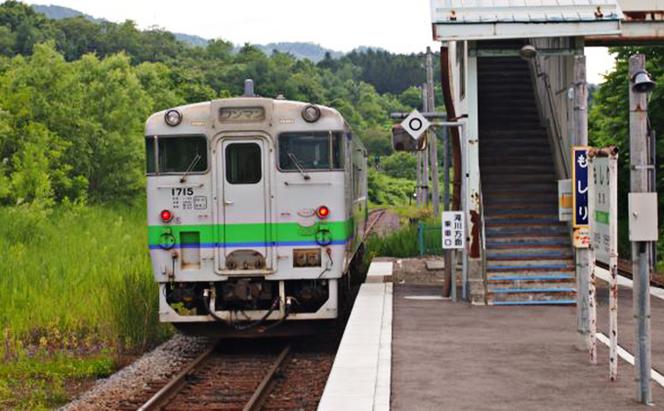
<point x="548" y="114"/>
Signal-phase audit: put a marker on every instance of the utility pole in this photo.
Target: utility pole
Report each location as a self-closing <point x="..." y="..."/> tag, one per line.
<point x="425" y="153"/>
<point x="433" y="140"/>
<point x="418" y="185"/>
<point x="639" y="173"/>
<point x="583" y="255"/>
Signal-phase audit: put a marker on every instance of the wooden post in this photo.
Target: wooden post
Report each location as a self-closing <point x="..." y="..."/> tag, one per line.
<point x="592" y="289"/>
<point x="639" y="163"/>
<point x="582" y="254"/>
<point x="425" y="153"/>
<point x="613" y="267"/>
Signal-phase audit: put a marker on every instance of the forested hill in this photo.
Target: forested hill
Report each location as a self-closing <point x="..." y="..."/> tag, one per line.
<point x="300" y="50"/>
<point x="386" y="71"/>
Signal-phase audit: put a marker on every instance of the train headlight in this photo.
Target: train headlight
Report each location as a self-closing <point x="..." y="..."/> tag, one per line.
<point x="311" y="113"/>
<point x="166" y="216"/>
<point x="173" y="118"/>
<point x="323" y="212"/>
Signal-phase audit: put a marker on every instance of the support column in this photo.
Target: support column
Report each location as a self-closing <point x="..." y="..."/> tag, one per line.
<point x="583" y="265"/>
<point x="433" y="140"/>
<point x="639" y="164"/>
<point x="476" y="274"/>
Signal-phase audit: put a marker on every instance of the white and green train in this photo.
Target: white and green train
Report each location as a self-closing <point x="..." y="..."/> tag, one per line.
<point x="256" y="211"/>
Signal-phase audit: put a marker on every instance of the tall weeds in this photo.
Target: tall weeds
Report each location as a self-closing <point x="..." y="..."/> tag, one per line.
<point x="77" y="274"/>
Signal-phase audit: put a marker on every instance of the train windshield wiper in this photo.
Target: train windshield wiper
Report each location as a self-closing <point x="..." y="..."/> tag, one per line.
<point x="191" y="167"/>
<point x="297" y="163"/>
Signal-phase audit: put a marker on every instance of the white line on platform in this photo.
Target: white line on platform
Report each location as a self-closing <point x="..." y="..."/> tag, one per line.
<point x="604" y="274"/>
<point x="625" y="355"/>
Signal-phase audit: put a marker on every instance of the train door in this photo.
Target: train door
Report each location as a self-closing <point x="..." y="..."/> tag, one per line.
<point x="244" y="179"/>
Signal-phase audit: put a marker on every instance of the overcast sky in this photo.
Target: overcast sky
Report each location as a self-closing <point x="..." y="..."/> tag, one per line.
<point x="401" y="26"/>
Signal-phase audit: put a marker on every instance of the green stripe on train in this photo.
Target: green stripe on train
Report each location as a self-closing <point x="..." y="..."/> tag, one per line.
<point x="249" y="233"/>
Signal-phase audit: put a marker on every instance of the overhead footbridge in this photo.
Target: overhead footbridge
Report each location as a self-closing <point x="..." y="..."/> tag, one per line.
<point x="514" y="72"/>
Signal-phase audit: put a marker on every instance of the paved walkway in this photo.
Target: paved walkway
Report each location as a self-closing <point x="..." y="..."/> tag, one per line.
<point x="453" y="356"/>
<point x="626" y="333"/>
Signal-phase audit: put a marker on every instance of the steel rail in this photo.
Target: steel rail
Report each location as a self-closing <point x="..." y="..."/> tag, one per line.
<point x="170" y="390"/>
<point x="265" y="387"/>
<point x="379" y="214"/>
<point x="625" y="268"/>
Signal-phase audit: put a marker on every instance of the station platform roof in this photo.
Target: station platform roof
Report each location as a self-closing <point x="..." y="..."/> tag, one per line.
<point x="601" y="21"/>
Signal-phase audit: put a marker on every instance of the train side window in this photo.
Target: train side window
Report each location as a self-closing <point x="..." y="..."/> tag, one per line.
<point x="151" y="163"/>
<point x="243" y="163"/>
<point x="182" y="154"/>
<point x="311" y="151"/>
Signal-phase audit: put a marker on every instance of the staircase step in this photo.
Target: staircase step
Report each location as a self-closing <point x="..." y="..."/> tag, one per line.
<point x="524" y="279"/>
<point x="509" y="159"/>
<point x="509" y="187"/>
<point x="519" y="221"/>
<point x="529" y="253"/>
<point x="539" y="241"/>
<point x="495" y="266"/>
<point x="492" y="179"/>
<point x="519" y="202"/>
<point x="535" y="302"/>
<point x="497" y="144"/>
<point x="532" y="290"/>
<point x="518" y="212"/>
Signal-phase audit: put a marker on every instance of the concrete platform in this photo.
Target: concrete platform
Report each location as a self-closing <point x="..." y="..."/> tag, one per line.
<point x="626" y="323"/>
<point x="453" y="356"/>
<point x="406" y="348"/>
<point x="360" y="376"/>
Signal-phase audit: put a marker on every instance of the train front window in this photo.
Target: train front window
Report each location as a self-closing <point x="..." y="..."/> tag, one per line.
<point x="310" y="151"/>
<point x="181" y="154"/>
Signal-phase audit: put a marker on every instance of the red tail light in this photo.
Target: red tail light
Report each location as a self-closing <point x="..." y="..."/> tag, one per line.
<point x="166" y="216"/>
<point x="323" y="212"/>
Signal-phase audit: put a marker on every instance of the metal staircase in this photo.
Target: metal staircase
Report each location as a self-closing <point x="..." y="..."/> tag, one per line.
<point x="529" y="259"/>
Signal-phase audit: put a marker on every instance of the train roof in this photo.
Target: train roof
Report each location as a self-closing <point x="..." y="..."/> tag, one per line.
<point x="276" y="111"/>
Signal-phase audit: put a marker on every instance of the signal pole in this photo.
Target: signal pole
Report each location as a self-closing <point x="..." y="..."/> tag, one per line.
<point x="425" y="153"/>
<point x="639" y="174"/>
<point x="433" y="141"/>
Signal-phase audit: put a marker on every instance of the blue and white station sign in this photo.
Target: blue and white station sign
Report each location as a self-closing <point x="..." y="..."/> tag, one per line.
<point x="581" y="215"/>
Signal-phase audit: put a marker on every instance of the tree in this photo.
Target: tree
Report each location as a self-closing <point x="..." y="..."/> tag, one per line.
<point x="400" y="165"/>
<point x="609" y="122"/>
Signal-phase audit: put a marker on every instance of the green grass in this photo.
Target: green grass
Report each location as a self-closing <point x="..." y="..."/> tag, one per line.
<point x="400" y="244"/>
<point x="38" y="380"/>
<point x="73" y="280"/>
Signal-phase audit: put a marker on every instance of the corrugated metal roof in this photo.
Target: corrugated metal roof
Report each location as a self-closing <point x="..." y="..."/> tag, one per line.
<point x="523" y="11"/>
<point x="579" y="17"/>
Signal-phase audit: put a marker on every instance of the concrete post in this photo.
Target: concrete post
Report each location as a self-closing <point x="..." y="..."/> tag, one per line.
<point x="639" y="162"/>
<point x="582" y="254"/>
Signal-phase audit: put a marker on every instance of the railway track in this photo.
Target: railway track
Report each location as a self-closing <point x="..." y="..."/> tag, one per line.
<point x="373" y="219"/>
<point x="244" y="376"/>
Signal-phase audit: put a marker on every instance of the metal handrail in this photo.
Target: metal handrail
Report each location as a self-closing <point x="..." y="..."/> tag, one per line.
<point x="552" y="123"/>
